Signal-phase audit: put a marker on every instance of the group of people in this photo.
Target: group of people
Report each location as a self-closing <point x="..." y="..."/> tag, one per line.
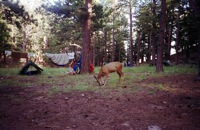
<point x="73" y="66"/>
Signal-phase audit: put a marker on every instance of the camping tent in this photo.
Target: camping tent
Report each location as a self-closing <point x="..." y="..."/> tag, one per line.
<point x="30" y="69"/>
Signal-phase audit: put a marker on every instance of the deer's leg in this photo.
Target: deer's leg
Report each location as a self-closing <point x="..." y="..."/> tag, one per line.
<point x="105" y="80"/>
<point x="121" y="75"/>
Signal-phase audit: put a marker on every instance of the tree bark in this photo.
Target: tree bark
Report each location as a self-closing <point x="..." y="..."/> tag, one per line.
<point x="177" y="37"/>
<point x="153" y="35"/>
<point x="199" y="56"/>
<point x="196" y="7"/>
<point x="169" y="38"/>
<point x="86" y="38"/>
<point x="26" y="32"/>
<point x="113" y="34"/>
<point x="4" y="57"/>
<point x="113" y="44"/>
<point x="105" y="45"/>
<point x="159" y="65"/>
<point x="149" y="49"/>
<point x="94" y="49"/>
<point x="24" y="41"/>
<point x="167" y="57"/>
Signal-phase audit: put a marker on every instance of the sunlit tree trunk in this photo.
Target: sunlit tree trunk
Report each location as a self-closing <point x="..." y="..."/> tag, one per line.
<point x="86" y="38"/>
<point x="159" y="65"/>
<point x="24" y="41"/>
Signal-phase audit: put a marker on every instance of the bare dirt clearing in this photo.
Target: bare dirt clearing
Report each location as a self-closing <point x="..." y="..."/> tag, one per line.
<point x="169" y="102"/>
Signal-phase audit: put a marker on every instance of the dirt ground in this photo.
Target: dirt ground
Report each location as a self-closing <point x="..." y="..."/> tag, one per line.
<point x="26" y="108"/>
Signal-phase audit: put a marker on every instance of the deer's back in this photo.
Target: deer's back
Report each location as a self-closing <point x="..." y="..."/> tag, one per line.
<point x="111" y="67"/>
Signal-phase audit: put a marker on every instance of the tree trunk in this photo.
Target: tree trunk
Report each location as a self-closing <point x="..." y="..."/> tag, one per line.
<point x="199" y="55"/>
<point x="86" y="38"/>
<point x="4" y="56"/>
<point x="113" y="34"/>
<point x="105" y="45"/>
<point x="153" y="43"/>
<point x="113" y="43"/>
<point x="138" y="49"/>
<point x="153" y="35"/>
<point x="177" y="37"/>
<point x="26" y="45"/>
<point x="131" y="33"/>
<point x="24" y="41"/>
<point x="46" y="43"/>
<point x="196" y="7"/>
<point x="167" y="57"/>
<point x="169" y="38"/>
<point x="94" y="50"/>
<point x="159" y="65"/>
<point x="149" y="49"/>
<point x="119" y="54"/>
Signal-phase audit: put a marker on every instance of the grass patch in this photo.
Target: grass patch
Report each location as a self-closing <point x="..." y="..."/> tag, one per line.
<point x="54" y="90"/>
<point x="9" y="71"/>
<point x="146" y="69"/>
<point x="186" y="69"/>
<point x="55" y="80"/>
<point x="15" y="82"/>
<point x="54" y="71"/>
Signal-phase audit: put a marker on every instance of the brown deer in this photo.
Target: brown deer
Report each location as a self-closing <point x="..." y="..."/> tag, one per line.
<point x="107" y="69"/>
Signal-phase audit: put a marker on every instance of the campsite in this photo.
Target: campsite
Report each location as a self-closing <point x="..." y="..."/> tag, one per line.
<point x="55" y="100"/>
<point x="99" y="64"/>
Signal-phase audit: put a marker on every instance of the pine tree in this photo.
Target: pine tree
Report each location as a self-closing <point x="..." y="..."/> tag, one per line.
<point x="159" y="65"/>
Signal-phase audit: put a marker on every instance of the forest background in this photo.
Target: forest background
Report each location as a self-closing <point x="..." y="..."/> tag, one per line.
<point x="108" y="30"/>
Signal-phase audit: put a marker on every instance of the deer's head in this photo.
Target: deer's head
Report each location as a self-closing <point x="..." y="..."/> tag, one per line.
<point x="99" y="81"/>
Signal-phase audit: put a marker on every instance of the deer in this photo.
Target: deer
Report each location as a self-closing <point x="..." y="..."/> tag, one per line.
<point x="107" y="69"/>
